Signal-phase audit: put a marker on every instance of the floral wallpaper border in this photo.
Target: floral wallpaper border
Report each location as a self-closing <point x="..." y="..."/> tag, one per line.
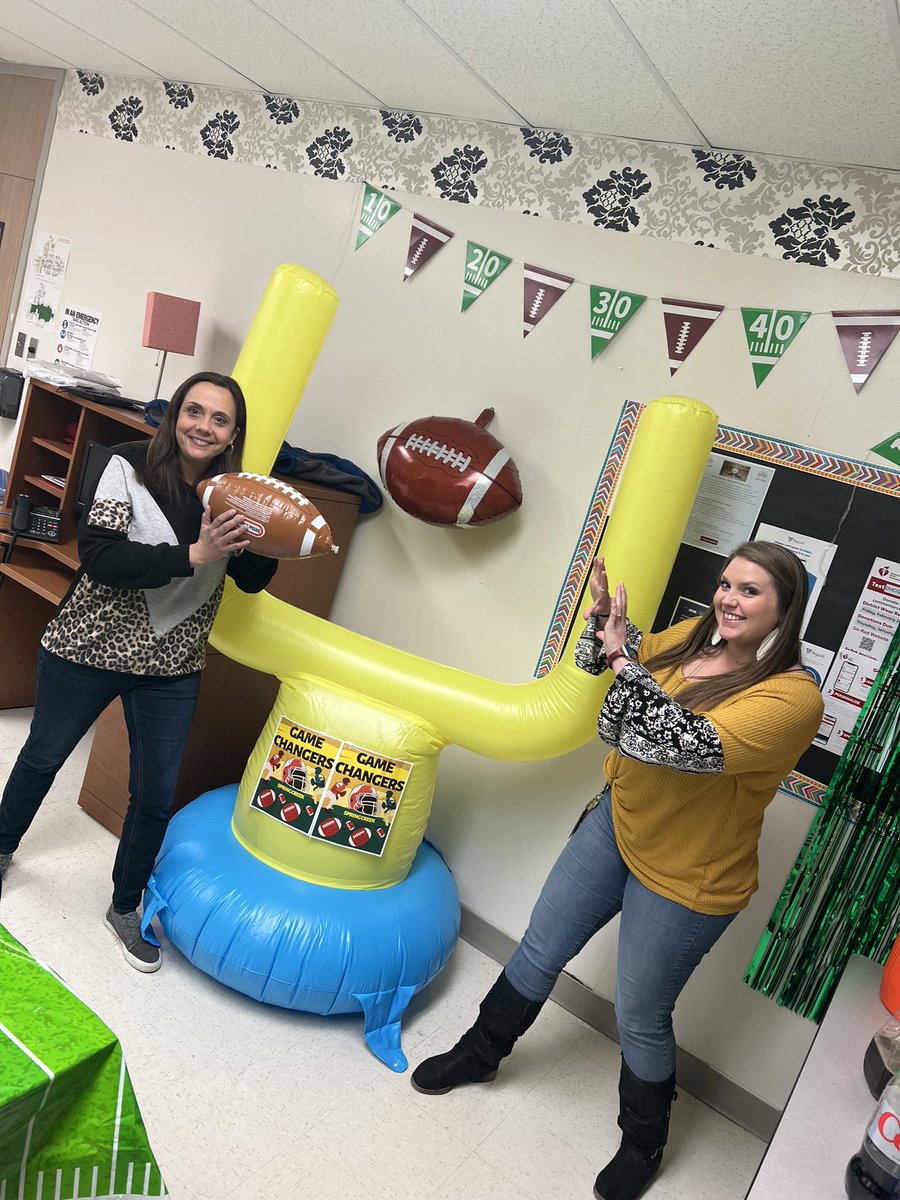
<point x="841" y="217"/>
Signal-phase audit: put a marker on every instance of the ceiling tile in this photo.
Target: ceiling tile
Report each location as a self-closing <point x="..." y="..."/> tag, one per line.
<point x="566" y="65"/>
<point x="813" y="79"/>
<point x="260" y="48"/>
<point x="146" y="39"/>
<point x="15" y="49"/>
<point x="64" y="40"/>
<point x="394" y="55"/>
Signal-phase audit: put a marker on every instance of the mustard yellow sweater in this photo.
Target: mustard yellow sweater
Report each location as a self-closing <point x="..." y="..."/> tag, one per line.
<point x="694" y="837"/>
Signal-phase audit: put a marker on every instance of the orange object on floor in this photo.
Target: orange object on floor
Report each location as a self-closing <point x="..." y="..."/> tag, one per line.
<point x="890" y="980"/>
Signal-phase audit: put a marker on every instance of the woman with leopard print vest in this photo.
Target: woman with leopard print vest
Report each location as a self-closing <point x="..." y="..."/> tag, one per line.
<point x="706" y="718"/>
<point x="134" y="624"/>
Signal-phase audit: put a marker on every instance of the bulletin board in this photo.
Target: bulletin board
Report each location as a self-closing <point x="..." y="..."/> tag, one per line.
<point x="848" y="503"/>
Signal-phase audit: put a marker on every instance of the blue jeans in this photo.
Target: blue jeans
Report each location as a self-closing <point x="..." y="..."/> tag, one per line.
<point x="660" y="941"/>
<point x="68" y="699"/>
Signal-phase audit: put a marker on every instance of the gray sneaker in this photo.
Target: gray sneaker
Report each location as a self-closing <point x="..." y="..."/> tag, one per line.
<point x="5" y="860"/>
<point x="141" y="954"/>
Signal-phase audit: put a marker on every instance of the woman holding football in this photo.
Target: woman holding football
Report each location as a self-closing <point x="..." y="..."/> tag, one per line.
<point x="706" y="718"/>
<point x="134" y="624"/>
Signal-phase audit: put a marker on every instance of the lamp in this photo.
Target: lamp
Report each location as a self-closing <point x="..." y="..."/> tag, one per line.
<point x="170" y="324"/>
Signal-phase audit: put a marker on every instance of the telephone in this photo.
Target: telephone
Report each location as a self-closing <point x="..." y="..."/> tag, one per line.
<point x="35" y="520"/>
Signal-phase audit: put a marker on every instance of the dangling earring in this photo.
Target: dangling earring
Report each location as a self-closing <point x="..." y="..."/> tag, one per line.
<point x="767" y="643"/>
<point x="716" y="638"/>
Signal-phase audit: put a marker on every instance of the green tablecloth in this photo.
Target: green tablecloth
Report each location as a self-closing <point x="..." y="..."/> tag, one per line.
<point x="70" y="1127"/>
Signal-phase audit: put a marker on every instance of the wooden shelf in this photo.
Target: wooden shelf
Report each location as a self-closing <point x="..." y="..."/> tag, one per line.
<point x="31" y="569"/>
<point x="45" y="485"/>
<point x="65" y="552"/>
<point x="63" y="449"/>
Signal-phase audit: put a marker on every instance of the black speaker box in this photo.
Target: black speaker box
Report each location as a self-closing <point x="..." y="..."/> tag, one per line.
<point x="11" y="384"/>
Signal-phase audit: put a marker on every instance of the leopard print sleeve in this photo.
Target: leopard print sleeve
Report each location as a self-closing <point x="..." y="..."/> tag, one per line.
<point x="590" y="654"/>
<point x="646" y="724"/>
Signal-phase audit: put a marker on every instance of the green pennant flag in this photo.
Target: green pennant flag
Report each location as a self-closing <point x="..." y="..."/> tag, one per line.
<point x="377" y="209"/>
<point x="769" y="332"/>
<point x="611" y="309"/>
<point x="889" y="449"/>
<point x="483" y="266"/>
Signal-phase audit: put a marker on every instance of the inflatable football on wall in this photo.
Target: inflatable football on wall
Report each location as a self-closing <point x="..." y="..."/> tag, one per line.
<point x="279" y="520"/>
<point x="447" y="471"/>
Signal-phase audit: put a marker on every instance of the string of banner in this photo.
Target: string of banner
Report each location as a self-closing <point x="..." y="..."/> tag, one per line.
<point x="865" y="335"/>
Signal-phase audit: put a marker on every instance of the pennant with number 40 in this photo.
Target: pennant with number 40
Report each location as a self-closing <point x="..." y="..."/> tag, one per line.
<point x="769" y="332"/>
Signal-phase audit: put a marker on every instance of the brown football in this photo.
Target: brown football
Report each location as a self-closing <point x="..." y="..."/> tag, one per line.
<point x="280" y="521"/>
<point x="448" y="471"/>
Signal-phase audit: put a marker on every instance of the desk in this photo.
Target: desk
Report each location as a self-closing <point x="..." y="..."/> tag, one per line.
<point x="823" y="1123"/>
<point x="69" y="1121"/>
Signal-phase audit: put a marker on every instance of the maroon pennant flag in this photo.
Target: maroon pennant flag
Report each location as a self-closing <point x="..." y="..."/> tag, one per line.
<point x="425" y="239"/>
<point x="686" y="323"/>
<point x="865" y="336"/>
<point x="542" y="290"/>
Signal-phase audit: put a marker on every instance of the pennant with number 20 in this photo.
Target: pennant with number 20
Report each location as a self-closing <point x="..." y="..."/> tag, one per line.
<point x="483" y="266"/>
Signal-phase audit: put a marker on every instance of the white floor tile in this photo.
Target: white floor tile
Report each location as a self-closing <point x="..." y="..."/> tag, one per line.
<point x="246" y="1102"/>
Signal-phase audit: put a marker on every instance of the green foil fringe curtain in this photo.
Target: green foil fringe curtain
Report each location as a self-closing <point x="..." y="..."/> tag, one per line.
<point x="841" y="897"/>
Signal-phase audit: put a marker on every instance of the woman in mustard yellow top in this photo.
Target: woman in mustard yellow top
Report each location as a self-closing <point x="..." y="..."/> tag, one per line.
<point x="706" y="719"/>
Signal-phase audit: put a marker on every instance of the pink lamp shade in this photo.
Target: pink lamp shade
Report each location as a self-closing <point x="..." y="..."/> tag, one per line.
<point x="170" y="323"/>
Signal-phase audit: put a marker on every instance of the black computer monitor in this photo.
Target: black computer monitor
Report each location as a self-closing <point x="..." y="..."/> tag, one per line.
<point x="96" y="456"/>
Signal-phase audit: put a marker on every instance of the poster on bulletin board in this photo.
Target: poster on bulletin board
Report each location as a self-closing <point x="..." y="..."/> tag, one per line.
<point x="842" y="519"/>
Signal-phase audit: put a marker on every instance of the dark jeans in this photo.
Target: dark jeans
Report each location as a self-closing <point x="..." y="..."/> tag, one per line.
<point x="68" y="699"/>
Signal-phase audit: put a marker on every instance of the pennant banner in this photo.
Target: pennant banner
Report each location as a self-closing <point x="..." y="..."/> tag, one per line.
<point x="864" y="338"/>
<point x="611" y="309"/>
<point x="425" y="239"/>
<point x="686" y="322"/>
<point x="542" y="289"/>
<point x="377" y="209"/>
<point x="889" y="449"/>
<point x="483" y="266"/>
<point x="769" y="332"/>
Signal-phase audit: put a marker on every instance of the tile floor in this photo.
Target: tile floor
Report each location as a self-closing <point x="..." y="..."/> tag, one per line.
<point x="247" y="1102"/>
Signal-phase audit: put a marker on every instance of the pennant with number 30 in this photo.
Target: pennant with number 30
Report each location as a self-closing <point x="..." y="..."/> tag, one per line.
<point x="611" y="309"/>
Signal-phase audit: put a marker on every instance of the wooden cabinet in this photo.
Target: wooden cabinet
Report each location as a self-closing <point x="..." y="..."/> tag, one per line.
<point x="234" y="700"/>
<point x="54" y="431"/>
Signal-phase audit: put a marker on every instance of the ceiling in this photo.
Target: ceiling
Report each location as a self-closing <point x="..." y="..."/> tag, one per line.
<point x="809" y="79"/>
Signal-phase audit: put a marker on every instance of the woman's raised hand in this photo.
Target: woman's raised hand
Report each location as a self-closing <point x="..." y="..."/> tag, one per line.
<point x="219" y="537"/>
<point x="599" y="586"/>
<point x="615" y="630"/>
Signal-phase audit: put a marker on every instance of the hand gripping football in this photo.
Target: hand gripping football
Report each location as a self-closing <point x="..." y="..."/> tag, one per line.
<point x="447" y="471"/>
<point x="279" y="520"/>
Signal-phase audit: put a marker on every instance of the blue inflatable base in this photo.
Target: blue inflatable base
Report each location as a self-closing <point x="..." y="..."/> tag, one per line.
<point x="295" y="944"/>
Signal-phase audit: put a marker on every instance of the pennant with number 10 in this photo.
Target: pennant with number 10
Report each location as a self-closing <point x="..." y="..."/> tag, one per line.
<point x="889" y="449"/>
<point x="483" y="266"/>
<point x="377" y="209"/>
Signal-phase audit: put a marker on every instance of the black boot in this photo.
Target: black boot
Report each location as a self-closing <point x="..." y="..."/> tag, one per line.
<point x="503" y="1016"/>
<point x="644" y="1121"/>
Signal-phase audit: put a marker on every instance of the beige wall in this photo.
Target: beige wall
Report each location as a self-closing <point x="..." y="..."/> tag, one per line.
<point x="479" y="599"/>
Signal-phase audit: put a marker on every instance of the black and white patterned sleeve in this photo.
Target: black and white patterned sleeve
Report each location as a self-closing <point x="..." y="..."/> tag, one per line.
<point x="646" y="724"/>
<point x="589" y="652"/>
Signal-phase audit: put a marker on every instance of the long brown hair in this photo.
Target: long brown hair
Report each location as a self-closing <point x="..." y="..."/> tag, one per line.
<point x="161" y="471"/>
<point x="792" y="588"/>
